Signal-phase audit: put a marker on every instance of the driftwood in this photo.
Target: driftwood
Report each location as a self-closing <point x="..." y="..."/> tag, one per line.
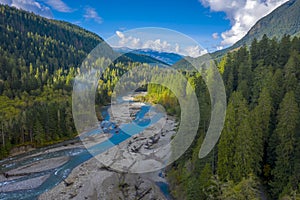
<point x="144" y="194"/>
<point x="20" y="174"/>
<point x="67" y="184"/>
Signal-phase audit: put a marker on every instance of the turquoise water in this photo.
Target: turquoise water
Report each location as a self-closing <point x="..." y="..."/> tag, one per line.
<point x="164" y="187"/>
<point x="76" y="156"/>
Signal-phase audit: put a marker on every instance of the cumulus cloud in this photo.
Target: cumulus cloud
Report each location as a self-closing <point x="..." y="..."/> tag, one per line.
<point x="159" y="45"/>
<point x="31" y="6"/>
<point x="243" y="14"/>
<point x="194" y="51"/>
<point x="58" y="5"/>
<point x="91" y="14"/>
<point x="133" y="42"/>
<point x="220" y="48"/>
<point x="215" y="36"/>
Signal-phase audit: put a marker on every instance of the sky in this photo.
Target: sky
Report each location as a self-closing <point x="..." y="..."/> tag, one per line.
<point x="214" y="24"/>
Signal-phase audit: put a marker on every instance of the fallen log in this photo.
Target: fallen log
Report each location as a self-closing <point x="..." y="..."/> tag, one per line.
<point x="145" y="193"/>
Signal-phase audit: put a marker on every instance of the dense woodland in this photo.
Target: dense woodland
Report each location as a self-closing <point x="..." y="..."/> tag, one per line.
<point x="39" y="59"/>
<point x="258" y="153"/>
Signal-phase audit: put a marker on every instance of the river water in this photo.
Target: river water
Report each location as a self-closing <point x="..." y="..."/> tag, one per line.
<point x="76" y="157"/>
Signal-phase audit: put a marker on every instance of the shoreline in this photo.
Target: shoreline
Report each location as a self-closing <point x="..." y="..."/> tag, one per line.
<point x="94" y="180"/>
<point x="90" y="179"/>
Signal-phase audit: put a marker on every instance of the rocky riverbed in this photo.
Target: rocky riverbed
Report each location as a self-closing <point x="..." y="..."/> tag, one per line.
<point x="92" y="181"/>
<point x="103" y="176"/>
<point x="107" y="176"/>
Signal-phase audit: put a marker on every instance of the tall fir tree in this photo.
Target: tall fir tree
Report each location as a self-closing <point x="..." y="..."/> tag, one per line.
<point x="261" y="118"/>
<point x="288" y="121"/>
<point x="234" y="157"/>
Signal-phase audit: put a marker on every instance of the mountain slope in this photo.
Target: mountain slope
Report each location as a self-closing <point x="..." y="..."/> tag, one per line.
<point x="47" y="42"/>
<point x="283" y="20"/>
<point x="164" y="57"/>
<point x="169" y="58"/>
<point x="141" y="58"/>
<point x="39" y="59"/>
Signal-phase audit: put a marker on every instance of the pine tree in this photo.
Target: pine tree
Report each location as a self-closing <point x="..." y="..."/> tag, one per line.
<point x="39" y="135"/>
<point x="228" y="75"/>
<point x="194" y="189"/>
<point x="244" y="157"/>
<point x="254" y="52"/>
<point x="262" y="77"/>
<point x="291" y="72"/>
<point x="231" y="154"/>
<point x="288" y="120"/>
<point x="226" y="145"/>
<point x="205" y="177"/>
<point x="260" y="118"/>
<point x="284" y="50"/>
<point x="276" y="89"/>
<point x="245" y="78"/>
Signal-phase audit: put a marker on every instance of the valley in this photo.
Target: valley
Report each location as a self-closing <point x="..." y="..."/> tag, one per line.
<point x="134" y="100"/>
<point x="71" y="171"/>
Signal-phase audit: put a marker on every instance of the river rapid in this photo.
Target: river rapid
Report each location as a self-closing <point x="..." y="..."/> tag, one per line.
<point x="29" y="175"/>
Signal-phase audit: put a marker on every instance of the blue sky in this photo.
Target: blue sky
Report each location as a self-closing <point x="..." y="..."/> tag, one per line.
<point x="186" y="16"/>
<point x="214" y="24"/>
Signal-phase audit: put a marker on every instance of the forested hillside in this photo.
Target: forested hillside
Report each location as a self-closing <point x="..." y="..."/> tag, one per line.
<point x="259" y="149"/>
<point x="284" y="20"/>
<point x="258" y="152"/>
<point x="38" y="60"/>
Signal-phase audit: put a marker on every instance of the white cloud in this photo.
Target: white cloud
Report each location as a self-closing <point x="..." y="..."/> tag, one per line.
<point x="177" y="48"/>
<point x="243" y="14"/>
<point x="215" y="36"/>
<point x="91" y="14"/>
<point x="133" y="42"/>
<point x="31" y="6"/>
<point x="195" y="51"/>
<point x="58" y="5"/>
<point x="220" y="48"/>
<point x="159" y="45"/>
<point x="120" y="34"/>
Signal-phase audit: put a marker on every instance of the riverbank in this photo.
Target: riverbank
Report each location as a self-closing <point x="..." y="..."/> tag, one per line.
<point x="93" y="180"/>
<point x="69" y="171"/>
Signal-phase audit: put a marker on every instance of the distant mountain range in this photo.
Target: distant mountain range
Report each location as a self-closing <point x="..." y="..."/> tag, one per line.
<point x="141" y="58"/>
<point x="160" y="57"/>
<point x="283" y="20"/>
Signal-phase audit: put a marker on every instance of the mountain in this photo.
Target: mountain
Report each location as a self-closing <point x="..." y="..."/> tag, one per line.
<point x="50" y="43"/>
<point x="284" y="20"/>
<point x="141" y="58"/>
<point x="164" y="57"/>
<point x="169" y="58"/>
<point x="39" y="59"/>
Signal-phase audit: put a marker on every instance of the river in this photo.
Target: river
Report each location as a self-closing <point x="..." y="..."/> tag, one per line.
<point x="49" y="178"/>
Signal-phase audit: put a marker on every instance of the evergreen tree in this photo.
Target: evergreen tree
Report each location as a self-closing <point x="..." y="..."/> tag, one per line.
<point x="245" y="78"/>
<point x="291" y="72"/>
<point x="284" y="50"/>
<point x="226" y="145"/>
<point x="244" y="157"/>
<point x="254" y="52"/>
<point x="260" y="118"/>
<point x="288" y="121"/>
<point x="231" y="158"/>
